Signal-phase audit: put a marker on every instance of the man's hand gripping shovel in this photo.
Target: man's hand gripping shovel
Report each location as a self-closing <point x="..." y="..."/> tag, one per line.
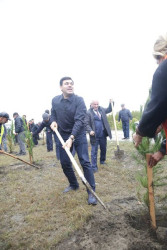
<point x="78" y="170"/>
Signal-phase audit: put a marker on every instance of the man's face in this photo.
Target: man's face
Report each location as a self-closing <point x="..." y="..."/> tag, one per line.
<point x="95" y="105"/>
<point x="3" y="120"/>
<point x="67" y="87"/>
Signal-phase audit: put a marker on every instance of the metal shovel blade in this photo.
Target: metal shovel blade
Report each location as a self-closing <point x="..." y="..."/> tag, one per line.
<point x="119" y="153"/>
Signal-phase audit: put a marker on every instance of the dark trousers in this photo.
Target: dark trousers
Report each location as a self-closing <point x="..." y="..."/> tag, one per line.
<point x="57" y="142"/>
<point x="81" y="148"/>
<point x="125" y="127"/>
<point x="49" y="142"/>
<point x="102" y="142"/>
<point x="35" y="140"/>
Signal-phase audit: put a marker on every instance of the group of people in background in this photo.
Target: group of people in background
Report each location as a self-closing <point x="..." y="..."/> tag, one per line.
<point x="19" y="132"/>
<point x="70" y="116"/>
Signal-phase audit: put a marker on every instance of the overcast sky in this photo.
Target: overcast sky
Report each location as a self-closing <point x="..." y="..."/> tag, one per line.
<point x="104" y="45"/>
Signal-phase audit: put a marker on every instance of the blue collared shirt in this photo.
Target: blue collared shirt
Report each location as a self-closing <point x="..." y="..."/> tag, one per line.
<point x="69" y="114"/>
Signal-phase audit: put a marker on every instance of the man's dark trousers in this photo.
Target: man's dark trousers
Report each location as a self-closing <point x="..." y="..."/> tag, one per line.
<point x="125" y="126"/>
<point x="102" y="141"/>
<point x="49" y="140"/>
<point x="81" y="147"/>
<point x="35" y="139"/>
<point x="57" y="142"/>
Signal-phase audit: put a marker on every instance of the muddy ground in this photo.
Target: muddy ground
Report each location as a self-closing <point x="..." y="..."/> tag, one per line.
<point x="124" y="225"/>
<point x="35" y="214"/>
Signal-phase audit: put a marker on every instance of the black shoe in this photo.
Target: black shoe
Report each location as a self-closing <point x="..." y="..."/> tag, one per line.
<point x="70" y="188"/>
<point x="91" y="199"/>
<point x="23" y="153"/>
<point x="20" y="153"/>
<point x="102" y="162"/>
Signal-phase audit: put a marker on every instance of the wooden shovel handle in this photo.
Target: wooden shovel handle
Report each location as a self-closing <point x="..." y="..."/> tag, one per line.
<point x="115" y="126"/>
<point x="17" y="158"/>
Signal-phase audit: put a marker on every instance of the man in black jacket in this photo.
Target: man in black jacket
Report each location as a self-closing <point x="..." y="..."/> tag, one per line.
<point x="33" y="130"/>
<point x="19" y="131"/>
<point x="46" y="124"/>
<point x="68" y="115"/>
<point x="125" y="116"/>
<point x="98" y="128"/>
<point x="155" y="114"/>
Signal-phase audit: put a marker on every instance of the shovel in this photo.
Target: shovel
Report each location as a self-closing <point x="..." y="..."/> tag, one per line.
<point x="119" y="153"/>
<point x="17" y="158"/>
<point x="77" y="168"/>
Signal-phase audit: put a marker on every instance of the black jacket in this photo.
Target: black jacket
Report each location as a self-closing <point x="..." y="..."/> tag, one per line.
<point x="43" y="125"/>
<point x="19" y="125"/>
<point x="69" y="114"/>
<point x="156" y="110"/>
<point x="125" y="115"/>
<point x="90" y="124"/>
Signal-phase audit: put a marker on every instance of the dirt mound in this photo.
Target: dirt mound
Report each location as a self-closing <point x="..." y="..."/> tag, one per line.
<point x="124" y="225"/>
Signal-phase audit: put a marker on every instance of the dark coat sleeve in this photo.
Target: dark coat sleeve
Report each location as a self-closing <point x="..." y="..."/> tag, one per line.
<point x="53" y="117"/>
<point x="156" y="110"/>
<point x="88" y="122"/>
<point x="39" y="129"/>
<point x="19" y="125"/>
<point x="79" y="117"/>
<point x="109" y="109"/>
<point x="90" y="125"/>
<point x="105" y="122"/>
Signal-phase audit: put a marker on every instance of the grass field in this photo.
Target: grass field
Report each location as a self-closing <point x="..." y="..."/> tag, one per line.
<point x="35" y="214"/>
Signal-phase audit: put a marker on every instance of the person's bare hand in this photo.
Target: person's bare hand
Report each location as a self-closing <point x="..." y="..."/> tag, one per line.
<point x="53" y="125"/>
<point x="92" y="133"/>
<point x="137" y="139"/>
<point x="68" y="143"/>
<point x="155" y="158"/>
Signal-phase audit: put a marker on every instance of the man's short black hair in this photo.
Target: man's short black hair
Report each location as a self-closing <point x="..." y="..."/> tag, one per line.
<point x="65" y="78"/>
<point x="47" y="111"/>
<point x="5" y="115"/>
<point x="15" y="113"/>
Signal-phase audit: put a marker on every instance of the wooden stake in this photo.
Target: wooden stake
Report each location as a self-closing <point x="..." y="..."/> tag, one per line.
<point x="30" y="156"/>
<point x="151" y="192"/>
<point x="3" y="152"/>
